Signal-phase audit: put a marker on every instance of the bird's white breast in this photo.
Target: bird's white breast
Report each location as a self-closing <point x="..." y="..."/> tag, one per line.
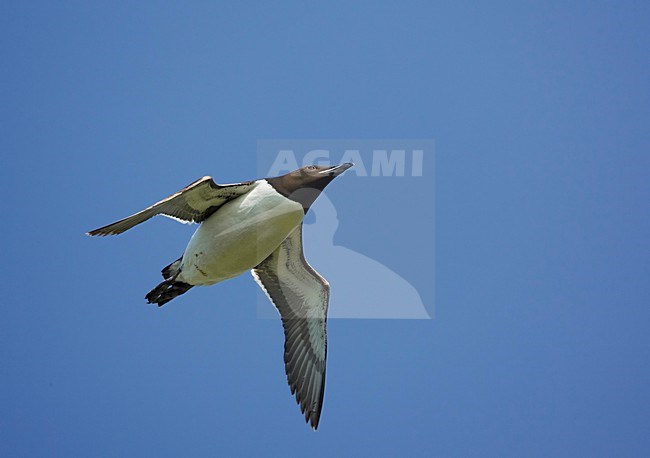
<point x="239" y="236"/>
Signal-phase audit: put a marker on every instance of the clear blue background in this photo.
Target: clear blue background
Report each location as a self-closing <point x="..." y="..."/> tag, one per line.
<point x="540" y="113"/>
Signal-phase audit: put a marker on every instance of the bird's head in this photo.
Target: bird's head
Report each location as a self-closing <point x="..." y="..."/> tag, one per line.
<point x="305" y="184"/>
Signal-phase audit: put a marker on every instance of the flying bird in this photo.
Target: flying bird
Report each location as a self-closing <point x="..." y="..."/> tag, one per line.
<point x="255" y="226"/>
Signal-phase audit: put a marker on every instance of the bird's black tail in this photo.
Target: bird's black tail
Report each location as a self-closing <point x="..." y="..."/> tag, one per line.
<point x="170" y="288"/>
<point x="166" y="291"/>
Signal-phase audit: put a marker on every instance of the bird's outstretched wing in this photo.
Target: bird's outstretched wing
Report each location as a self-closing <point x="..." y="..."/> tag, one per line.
<point x="301" y="296"/>
<point x="192" y="204"/>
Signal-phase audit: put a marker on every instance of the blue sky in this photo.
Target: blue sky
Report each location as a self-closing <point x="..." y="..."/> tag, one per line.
<point x="540" y="115"/>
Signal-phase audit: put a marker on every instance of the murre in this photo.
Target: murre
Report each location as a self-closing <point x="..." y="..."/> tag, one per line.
<point x="256" y="226"/>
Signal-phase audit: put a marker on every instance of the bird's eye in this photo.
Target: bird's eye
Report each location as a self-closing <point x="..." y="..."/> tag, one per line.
<point x="311" y="167"/>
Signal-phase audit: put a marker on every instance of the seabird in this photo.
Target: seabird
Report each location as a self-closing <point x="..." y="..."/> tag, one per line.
<point x="256" y="226"/>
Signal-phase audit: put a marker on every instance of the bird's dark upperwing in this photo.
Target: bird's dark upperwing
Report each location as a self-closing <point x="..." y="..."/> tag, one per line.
<point x="301" y="296"/>
<point x="192" y="204"/>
